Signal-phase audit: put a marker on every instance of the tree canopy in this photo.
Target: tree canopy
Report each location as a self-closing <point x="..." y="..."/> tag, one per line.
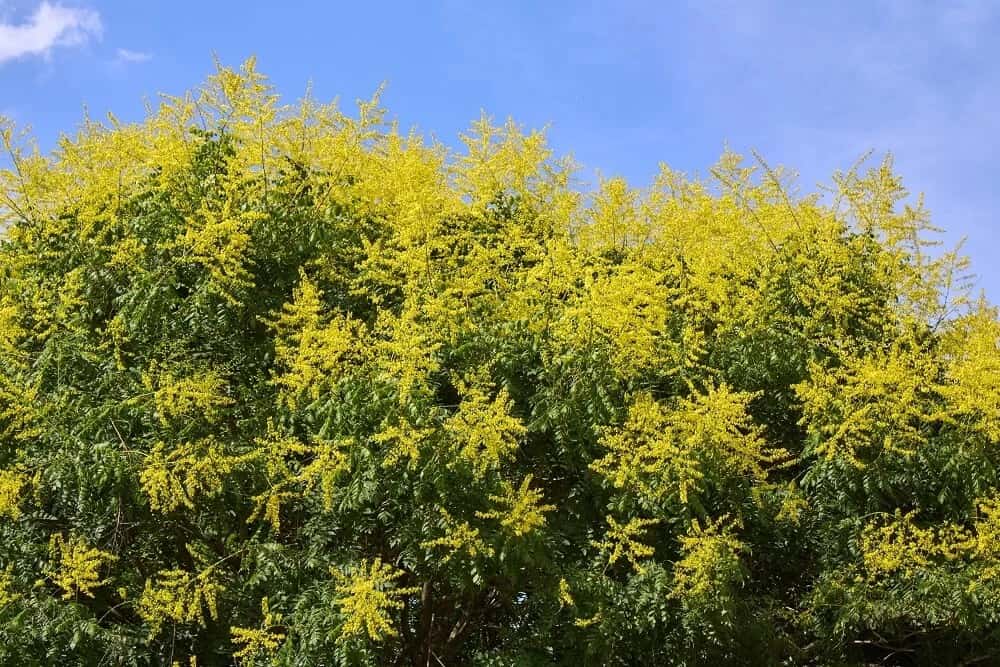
<point x="282" y="385"/>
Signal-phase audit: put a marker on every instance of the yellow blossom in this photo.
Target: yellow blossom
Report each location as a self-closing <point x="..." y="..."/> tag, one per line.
<point x="621" y="540"/>
<point x="201" y="394"/>
<point x="77" y="565"/>
<point x="872" y="403"/>
<point x="661" y="451"/>
<point x="565" y="594"/>
<point x="12" y="486"/>
<point x="177" y="476"/>
<point x="311" y="347"/>
<point x="404" y="442"/>
<point x="7" y="594"/>
<point x="972" y="346"/>
<point x="261" y="642"/>
<point x="710" y="561"/>
<point x="328" y="464"/>
<point x="459" y="537"/>
<point x="406" y="352"/>
<point x="178" y="596"/>
<point x="793" y="503"/>
<point x="484" y="431"/>
<point x="521" y="511"/>
<point x="367" y="597"/>
<point x="588" y="622"/>
<point x="219" y="240"/>
<point x="290" y="465"/>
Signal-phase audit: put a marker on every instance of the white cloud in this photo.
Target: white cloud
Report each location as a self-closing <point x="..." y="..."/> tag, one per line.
<point x="50" y="25"/>
<point x="129" y="56"/>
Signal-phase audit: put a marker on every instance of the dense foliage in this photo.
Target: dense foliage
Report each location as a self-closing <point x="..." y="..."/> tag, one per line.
<point x="284" y="386"/>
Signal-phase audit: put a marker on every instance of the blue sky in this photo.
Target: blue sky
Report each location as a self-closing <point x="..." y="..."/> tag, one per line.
<point x="623" y="85"/>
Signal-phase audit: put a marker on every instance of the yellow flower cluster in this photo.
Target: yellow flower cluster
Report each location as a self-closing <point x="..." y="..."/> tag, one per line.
<point x="660" y="451"/>
<point x="367" y="597"/>
<point x="623" y="540"/>
<point x="484" y="431"/>
<point x="870" y="404"/>
<point x="311" y="346"/>
<point x="127" y="255"/>
<point x="710" y="561"/>
<point x="261" y="642"/>
<point x="565" y="594"/>
<point x="11" y="330"/>
<point x="12" y="485"/>
<point x="900" y="546"/>
<point x="519" y="509"/>
<point x="987" y="527"/>
<point x="404" y="442"/>
<point x="201" y="394"/>
<point x="793" y="503"/>
<point x="78" y="566"/>
<point x="501" y="159"/>
<point x="19" y="416"/>
<point x="626" y="312"/>
<point x="289" y="464"/>
<point x="404" y="351"/>
<point x="178" y="596"/>
<point x="178" y="476"/>
<point x="972" y="347"/>
<point x="7" y="594"/>
<point x="459" y="537"/>
<point x="326" y="467"/>
<point x="219" y="240"/>
<point x="590" y="621"/>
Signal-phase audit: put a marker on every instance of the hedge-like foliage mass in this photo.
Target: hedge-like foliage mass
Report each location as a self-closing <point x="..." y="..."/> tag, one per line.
<point x="285" y="386"/>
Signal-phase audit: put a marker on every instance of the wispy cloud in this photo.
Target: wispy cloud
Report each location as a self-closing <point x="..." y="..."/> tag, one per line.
<point x="50" y="26"/>
<point x="129" y="56"/>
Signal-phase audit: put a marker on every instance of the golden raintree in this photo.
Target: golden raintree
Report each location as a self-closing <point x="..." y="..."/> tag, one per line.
<point x="282" y="385"/>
